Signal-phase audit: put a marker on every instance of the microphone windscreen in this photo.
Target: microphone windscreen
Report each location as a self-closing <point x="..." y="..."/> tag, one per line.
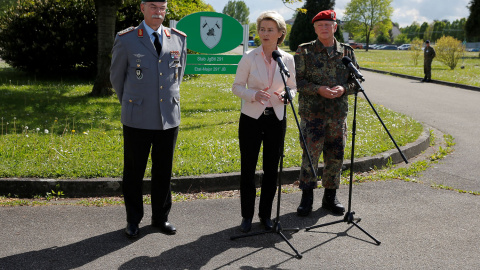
<point x="276" y="54"/>
<point x="346" y="60"/>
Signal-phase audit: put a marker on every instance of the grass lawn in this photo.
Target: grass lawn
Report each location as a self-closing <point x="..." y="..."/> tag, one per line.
<point x="55" y="130"/>
<point x="402" y="62"/>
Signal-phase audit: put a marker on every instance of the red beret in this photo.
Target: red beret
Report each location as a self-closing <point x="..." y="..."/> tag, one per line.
<point x="326" y="15"/>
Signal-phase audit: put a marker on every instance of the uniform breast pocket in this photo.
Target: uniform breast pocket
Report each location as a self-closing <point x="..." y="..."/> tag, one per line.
<point x="140" y="73"/>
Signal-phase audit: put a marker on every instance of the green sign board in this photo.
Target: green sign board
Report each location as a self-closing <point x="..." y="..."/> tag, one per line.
<point x="211" y="32"/>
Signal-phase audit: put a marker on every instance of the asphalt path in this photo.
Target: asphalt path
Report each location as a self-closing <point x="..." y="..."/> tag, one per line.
<point x="420" y="227"/>
<point x="452" y="110"/>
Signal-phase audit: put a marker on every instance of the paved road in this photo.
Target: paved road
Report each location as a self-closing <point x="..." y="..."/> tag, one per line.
<point x="452" y="110"/>
<point x="419" y="227"/>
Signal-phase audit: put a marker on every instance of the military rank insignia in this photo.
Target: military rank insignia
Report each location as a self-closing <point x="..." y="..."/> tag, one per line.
<point x="174" y="54"/>
<point x="140" y="32"/>
<point x="124" y="31"/>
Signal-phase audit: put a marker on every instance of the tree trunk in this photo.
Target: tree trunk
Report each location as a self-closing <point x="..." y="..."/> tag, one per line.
<point x="106" y="12"/>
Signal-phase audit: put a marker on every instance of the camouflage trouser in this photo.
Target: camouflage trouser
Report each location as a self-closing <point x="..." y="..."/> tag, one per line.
<point x="427" y="68"/>
<point x="327" y="136"/>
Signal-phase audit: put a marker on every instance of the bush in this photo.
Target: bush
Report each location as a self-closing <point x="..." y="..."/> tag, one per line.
<point x="449" y="50"/>
<point x="49" y="36"/>
<point x="416" y="50"/>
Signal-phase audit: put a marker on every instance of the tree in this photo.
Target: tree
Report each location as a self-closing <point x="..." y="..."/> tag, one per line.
<point x="448" y="51"/>
<point x="365" y="16"/>
<point x="237" y="10"/>
<point x="471" y="26"/>
<point x="302" y="29"/>
<point x="106" y="11"/>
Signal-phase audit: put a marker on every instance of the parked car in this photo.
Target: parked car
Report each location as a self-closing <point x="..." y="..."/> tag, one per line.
<point x="355" y="45"/>
<point x="388" y="47"/>
<point x="473" y="50"/>
<point x="404" y="47"/>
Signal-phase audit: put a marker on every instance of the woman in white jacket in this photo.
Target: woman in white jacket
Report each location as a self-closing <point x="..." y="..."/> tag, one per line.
<point x="259" y="83"/>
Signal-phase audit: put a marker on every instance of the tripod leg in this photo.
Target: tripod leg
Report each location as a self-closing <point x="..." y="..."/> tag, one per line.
<point x="299" y="256"/>
<point x="323" y="225"/>
<point x="365" y="232"/>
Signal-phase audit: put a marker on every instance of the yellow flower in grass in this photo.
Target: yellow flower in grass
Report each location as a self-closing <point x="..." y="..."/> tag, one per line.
<point x="73" y="130"/>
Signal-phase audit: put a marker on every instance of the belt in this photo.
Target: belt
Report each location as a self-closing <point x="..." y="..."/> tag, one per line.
<point x="268" y="111"/>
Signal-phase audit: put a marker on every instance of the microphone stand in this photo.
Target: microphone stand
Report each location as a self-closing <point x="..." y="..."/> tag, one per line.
<point x="277" y="227"/>
<point x="349" y="215"/>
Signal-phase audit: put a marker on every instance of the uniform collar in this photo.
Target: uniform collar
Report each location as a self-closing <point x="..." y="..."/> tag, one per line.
<point x="150" y="30"/>
<point x="336" y="45"/>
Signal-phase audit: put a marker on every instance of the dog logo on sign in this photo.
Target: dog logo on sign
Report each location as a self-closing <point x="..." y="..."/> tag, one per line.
<point x="211" y="30"/>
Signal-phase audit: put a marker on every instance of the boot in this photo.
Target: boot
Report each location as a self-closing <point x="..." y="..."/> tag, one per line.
<point x="330" y="202"/>
<point x="306" y="204"/>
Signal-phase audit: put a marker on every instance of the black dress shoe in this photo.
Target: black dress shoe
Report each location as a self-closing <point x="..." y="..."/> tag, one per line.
<point x="132" y="230"/>
<point x="267" y="223"/>
<point x="246" y="225"/>
<point x="165" y="227"/>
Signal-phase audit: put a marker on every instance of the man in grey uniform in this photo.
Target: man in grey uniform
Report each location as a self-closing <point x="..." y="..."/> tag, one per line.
<point x="148" y="64"/>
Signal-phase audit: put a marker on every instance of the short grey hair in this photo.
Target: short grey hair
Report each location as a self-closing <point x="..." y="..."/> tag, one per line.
<point x="278" y="19"/>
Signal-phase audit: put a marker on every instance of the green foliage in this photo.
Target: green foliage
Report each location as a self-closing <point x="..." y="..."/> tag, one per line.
<point x="416" y="50"/>
<point x="401" y="39"/>
<point x="302" y="29"/>
<point x="237" y="10"/>
<point x="473" y="21"/>
<point x="49" y="36"/>
<point x="436" y="30"/>
<point x="449" y="51"/>
<point x="365" y="17"/>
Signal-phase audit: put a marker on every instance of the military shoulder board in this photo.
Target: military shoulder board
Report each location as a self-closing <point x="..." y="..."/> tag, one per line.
<point x="124" y="31"/>
<point x="180" y="32"/>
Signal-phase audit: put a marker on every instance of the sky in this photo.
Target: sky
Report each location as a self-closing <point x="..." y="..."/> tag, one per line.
<point x="405" y="11"/>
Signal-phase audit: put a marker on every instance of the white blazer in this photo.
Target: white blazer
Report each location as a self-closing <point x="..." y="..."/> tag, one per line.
<point x="252" y="77"/>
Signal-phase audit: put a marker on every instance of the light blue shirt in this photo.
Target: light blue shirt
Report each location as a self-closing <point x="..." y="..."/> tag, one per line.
<point x="150" y="32"/>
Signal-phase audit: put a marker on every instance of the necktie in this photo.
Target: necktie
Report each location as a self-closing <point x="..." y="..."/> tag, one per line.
<point x="156" y="42"/>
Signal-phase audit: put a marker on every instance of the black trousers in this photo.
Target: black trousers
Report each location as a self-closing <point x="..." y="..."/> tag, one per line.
<point x="137" y="146"/>
<point x="251" y="133"/>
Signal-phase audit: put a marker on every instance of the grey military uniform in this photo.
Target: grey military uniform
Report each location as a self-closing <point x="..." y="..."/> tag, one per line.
<point x="147" y="84"/>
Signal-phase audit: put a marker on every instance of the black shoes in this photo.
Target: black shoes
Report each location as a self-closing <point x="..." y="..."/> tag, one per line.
<point x="330" y="202"/>
<point x="246" y="225"/>
<point x="165" y="227"/>
<point x="426" y="80"/>
<point x="267" y="223"/>
<point x="306" y="204"/>
<point x="132" y="230"/>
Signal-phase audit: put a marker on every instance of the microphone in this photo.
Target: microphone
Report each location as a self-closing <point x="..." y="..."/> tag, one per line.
<point x="278" y="57"/>
<point x="348" y="62"/>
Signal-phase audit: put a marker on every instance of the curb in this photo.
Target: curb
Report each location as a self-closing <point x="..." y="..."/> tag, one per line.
<point x="28" y="187"/>
<point x="457" y="85"/>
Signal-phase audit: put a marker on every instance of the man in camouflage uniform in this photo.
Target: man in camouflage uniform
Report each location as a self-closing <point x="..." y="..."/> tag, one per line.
<point x="323" y="83"/>
<point x="428" y="55"/>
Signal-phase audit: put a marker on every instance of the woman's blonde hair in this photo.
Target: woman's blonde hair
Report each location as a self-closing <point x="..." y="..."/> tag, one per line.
<point x="278" y="19"/>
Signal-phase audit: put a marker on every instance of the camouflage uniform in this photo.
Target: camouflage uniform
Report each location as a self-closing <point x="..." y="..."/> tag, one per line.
<point x="323" y="121"/>
<point x="428" y="55"/>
